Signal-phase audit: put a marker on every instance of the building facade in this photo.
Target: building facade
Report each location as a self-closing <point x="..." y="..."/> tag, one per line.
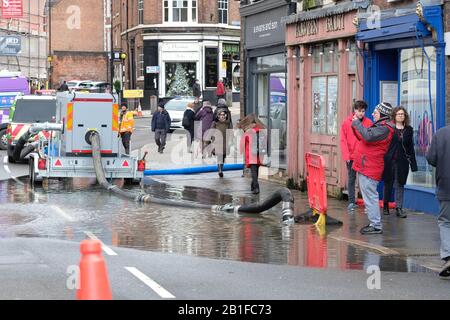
<point x="325" y="77"/>
<point x="169" y="44"/>
<point x="264" y="71"/>
<point x="404" y="63"/>
<point x="32" y="30"/>
<point x="79" y="40"/>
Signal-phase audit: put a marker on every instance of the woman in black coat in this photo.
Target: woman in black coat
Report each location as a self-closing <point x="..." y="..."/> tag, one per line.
<point x="188" y="125"/>
<point x="397" y="161"/>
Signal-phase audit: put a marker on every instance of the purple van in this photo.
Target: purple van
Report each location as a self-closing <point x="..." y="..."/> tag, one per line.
<point x="10" y="87"/>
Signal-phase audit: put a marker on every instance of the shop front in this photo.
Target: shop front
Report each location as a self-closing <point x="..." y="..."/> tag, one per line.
<point x="325" y="78"/>
<point x="266" y="74"/>
<point x="404" y="64"/>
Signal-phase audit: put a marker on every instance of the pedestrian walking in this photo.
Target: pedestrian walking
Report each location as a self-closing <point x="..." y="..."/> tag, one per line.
<point x="369" y="161"/>
<point x="254" y="144"/>
<point x="197" y="89"/>
<point x="64" y="87"/>
<point x="126" y="126"/>
<point x="397" y="161"/>
<point x="161" y="126"/>
<point x="219" y="139"/>
<point x="222" y="106"/>
<point x="439" y="156"/>
<point x="188" y="124"/>
<point x="348" y="145"/>
<point x="220" y="91"/>
<point x="206" y="116"/>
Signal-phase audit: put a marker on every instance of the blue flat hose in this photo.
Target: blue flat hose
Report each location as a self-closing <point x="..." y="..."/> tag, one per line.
<point x="193" y="170"/>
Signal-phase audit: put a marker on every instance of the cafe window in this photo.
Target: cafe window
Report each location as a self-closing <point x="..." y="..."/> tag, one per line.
<point x="351" y="50"/>
<point x="211" y="67"/>
<point x="325" y="58"/>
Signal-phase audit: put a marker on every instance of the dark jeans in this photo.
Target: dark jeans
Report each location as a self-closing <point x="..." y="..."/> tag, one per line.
<point x="126" y="137"/>
<point x="160" y="138"/>
<point x="399" y="189"/>
<point x="254" y="168"/>
<point x="189" y="138"/>
<point x="351" y="182"/>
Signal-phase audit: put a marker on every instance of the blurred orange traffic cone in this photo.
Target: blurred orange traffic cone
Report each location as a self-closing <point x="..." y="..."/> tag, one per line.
<point x="139" y="110"/>
<point x="94" y="284"/>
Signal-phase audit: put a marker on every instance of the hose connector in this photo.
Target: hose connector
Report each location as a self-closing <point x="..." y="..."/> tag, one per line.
<point x="229" y="207"/>
<point x="288" y="212"/>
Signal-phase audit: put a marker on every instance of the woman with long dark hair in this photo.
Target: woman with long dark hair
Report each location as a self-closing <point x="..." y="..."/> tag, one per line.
<point x="398" y="159"/>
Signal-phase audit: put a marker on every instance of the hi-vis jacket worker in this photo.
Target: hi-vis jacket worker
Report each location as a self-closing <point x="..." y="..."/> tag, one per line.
<point x="126" y="126"/>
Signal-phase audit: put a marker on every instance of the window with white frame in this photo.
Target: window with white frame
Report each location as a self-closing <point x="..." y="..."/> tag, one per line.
<point x="180" y="11"/>
<point x="223" y="11"/>
<point x="140" y="11"/>
<point x="140" y="63"/>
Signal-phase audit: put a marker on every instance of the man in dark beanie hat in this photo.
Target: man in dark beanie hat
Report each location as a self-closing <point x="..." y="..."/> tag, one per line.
<point x="369" y="161"/>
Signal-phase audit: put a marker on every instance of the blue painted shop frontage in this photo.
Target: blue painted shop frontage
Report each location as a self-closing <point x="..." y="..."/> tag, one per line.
<point x="404" y="64"/>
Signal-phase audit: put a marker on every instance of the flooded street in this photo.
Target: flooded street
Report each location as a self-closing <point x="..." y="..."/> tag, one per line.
<point x="72" y="210"/>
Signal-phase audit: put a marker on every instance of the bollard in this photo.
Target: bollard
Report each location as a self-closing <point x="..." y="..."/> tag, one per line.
<point x="94" y="284"/>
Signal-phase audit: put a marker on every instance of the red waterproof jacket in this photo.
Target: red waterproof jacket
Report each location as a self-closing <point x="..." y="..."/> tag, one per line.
<point x="371" y="148"/>
<point x="348" y="137"/>
<point x="254" y="143"/>
<point x="220" y="89"/>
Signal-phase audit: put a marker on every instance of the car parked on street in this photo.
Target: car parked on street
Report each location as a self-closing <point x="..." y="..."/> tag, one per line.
<point x="176" y="107"/>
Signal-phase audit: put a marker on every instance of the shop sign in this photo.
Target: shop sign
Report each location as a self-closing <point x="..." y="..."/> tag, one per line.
<point x="133" y="94"/>
<point x="307" y="28"/>
<point x="335" y="23"/>
<point x="266" y="28"/>
<point x="311" y="27"/>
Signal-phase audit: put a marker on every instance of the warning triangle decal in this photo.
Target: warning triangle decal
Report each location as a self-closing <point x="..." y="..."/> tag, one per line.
<point x="125" y="164"/>
<point x="58" y="163"/>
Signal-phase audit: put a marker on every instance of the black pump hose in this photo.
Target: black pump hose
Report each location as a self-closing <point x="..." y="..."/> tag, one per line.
<point x="283" y="195"/>
<point x="20" y="150"/>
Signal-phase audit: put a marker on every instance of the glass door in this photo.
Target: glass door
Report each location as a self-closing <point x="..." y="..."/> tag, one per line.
<point x="278" y="118"/>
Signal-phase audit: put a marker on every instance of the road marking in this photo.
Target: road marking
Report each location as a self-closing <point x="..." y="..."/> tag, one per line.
<point x="105" y="248"/>
<point x="62" y="213"/>
<point x="381" y="249"/>
<point x="163" y="293"/>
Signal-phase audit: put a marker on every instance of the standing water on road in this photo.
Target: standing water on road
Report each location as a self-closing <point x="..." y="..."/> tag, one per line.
<point x="67" y="210"/>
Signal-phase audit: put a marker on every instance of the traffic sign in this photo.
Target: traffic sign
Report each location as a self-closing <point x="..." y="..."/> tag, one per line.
<point x="153" y="69"/>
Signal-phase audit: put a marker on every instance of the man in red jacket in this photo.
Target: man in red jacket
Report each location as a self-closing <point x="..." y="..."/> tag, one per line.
<point x="348" y="145"/>
<point x="369" y="161"/>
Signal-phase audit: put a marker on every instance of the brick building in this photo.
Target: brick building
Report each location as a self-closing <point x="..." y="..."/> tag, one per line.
<point x="169" y="44"/>
<point x="31" y="28"/>
<point x="79" y="41"/>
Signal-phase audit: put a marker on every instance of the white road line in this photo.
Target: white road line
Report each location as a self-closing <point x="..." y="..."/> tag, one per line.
<point x="163" y="293"/>
<point x="105" y="248"/>
<point x="62" y="213"/>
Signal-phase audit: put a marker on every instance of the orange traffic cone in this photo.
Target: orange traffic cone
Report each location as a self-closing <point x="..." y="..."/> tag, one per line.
<point x="94" y="284"/>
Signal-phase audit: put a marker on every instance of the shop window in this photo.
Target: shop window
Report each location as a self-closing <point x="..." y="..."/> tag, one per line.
<point x="325" y="58"/>
<point x="275" y="61"/>
<point x="351" y="53"/>
<point x="223" y="11"/>
<point x="324" y="105"/>
<point x="211" y="67"/>
<point x="180" y="10"/>
<point x="180" y="78"/>
<point x="417" y="85"/>
<point x="230" y="63"/>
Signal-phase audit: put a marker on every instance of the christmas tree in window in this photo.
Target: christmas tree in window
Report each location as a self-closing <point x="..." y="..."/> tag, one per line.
<point x="180" y="85"/>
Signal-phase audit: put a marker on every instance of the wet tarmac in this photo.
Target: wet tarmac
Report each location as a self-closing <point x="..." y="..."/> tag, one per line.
<point x="67" y="210"/>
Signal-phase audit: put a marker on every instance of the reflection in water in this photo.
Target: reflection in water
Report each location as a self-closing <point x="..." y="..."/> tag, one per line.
<point x="121" y="222"/>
